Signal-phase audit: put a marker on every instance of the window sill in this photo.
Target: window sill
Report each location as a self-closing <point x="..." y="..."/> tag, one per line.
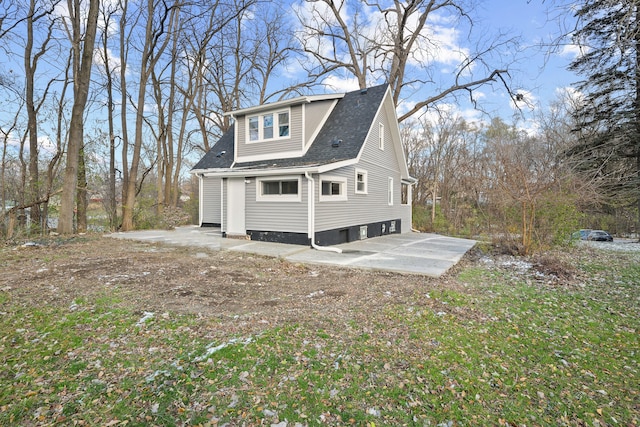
<point x="332" y="199"/>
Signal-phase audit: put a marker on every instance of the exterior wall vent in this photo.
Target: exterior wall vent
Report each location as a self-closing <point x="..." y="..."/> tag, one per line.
<point x="363" y="232"/>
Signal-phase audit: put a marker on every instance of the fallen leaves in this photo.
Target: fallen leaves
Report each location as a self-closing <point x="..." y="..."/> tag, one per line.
<point x="334" y="347"/>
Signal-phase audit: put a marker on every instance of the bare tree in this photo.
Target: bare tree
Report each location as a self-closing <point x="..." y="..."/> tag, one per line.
<point x="439" y="151"/>
<point x="82" y="47"/>
<point x="160" y="20"/>
<point x="5" y="133"/>
<point x="107" y="14"/>
<point x="236" y="62"/>
<point x="523" y="169"/>
<point x="394" y="42"/>
<point x="31" y="60"/>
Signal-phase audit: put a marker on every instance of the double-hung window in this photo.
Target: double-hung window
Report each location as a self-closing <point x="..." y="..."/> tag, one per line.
<point x="283" y="124"/>
<point x="361" y="181"/>
<point x="268" y="126"/>
<point x="254" y="128"/>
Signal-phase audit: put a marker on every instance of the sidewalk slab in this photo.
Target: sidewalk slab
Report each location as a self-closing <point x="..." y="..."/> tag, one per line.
<point x="416" y="253"/>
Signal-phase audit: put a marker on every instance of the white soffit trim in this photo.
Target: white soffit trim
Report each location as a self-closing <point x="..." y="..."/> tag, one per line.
<point x="223" y="173"/>
<point x="283" y="103"/>
<point x="373" y="123"/>
<point x="276" y="171"/>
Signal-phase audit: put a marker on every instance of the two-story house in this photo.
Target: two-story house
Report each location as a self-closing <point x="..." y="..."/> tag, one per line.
<point x="319" y="170"/>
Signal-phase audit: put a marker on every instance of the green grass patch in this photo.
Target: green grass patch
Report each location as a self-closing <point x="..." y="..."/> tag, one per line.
<point x="494" y="350"/>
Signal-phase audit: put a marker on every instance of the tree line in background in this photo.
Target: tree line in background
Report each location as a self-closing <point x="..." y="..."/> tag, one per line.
<point x="111" y="101"/>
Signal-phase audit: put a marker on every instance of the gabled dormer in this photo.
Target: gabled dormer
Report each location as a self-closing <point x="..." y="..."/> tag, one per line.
<point x="280" y="130"/>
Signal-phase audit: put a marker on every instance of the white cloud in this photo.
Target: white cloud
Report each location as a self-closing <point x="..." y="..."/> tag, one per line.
<point x="99" y="60"/>
<point x="12" y="140"/>
<point x="572" y="50"/>
<point x="47" y="145"/>
<point x="440" y="41"/>
<point x="315" y="15"/>
<point x="570" y="93"/>
<point x="341" y="84"/>
<point x="529" y="126"/>
<point x="524" y="101"/>
<point x="568" y="98"/>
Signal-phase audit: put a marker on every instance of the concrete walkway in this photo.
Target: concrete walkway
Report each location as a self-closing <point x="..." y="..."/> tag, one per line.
<point x="419" y="253"/>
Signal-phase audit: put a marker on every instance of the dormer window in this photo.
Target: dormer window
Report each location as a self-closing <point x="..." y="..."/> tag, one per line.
<point x="268" y="126"/>
<point x="283" y="124"/>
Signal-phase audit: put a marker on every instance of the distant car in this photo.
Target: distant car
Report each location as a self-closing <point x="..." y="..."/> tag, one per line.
<point x="581" y="234"/>
<point x="600" y="236"/>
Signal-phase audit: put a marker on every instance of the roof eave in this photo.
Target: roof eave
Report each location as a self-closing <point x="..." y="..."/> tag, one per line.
<point x="284" y="103"/>
<point x="293" y="170"/>
<point x="259" y="172"/>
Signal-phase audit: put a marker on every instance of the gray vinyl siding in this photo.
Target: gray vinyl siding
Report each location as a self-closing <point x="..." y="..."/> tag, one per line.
<point x="276" y="216"/>
<point x="314" y="114"/>
<point x="211" y="200"/>
<point x="380" y="165"/>
<point x="271" y="147"/>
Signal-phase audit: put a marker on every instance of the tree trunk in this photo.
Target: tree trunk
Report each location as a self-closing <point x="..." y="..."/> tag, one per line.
<point x="434" y="197"/>
<point x="32" y="120"/>
<point x="81" y="197"/>
<point x="637" y="114"/>
<point x="150" y="55"/>
<point x="82" y="79"/>
<point x="112" y="212"/>
<point x="123" y="105"/>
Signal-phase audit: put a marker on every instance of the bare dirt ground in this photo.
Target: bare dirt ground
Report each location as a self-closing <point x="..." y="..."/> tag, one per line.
<point x="243" y="291"/>
<point x="229" y="285"/>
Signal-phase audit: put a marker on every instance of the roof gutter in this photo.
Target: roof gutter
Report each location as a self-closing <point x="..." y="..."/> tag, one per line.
<point x="299" y="170"/>
<point x="410" y="181"/>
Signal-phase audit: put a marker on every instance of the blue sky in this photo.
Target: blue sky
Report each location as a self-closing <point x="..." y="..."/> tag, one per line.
<point x="539" y="72"/>
<point x="536" y="72"/>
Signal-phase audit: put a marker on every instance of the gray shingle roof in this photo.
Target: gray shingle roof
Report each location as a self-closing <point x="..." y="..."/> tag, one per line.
<point x="220" y="156"/>
<point x="349" y="122"/>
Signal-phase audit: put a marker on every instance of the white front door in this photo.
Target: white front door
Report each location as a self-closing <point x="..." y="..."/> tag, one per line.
<point x="235" y="207"/>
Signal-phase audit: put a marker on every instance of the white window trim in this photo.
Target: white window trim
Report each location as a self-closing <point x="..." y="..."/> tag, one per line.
<point x="366" y="181"/>
<point x="276" y="126"/>
<point x="334" y="198"/>
<point x="390" y="192"/>
<point x="381" y="136"/>
<point x="278" y="197"/>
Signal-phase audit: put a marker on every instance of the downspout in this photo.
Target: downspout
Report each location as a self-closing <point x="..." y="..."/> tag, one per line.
<point x="222" y="207"/>
<point x="200" y="198"/>
<point x="312" y="219"/>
